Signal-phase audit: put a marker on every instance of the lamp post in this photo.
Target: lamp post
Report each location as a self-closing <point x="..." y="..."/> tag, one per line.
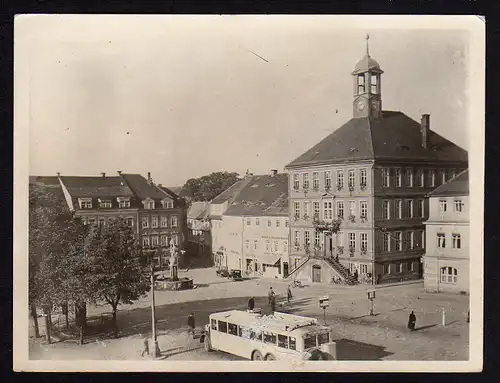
<point x="156" y="349"/>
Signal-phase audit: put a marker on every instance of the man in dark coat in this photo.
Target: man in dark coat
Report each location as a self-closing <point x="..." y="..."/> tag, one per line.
<point x="191" y="324"/>
<point x="289" y="293"/>
<point x="251" y="304"/>
<point x="272" y="304"/>
<point x="411" y="321"/>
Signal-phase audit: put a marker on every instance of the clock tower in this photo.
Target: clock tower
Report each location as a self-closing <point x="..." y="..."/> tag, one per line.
<point x="367" y="87"/>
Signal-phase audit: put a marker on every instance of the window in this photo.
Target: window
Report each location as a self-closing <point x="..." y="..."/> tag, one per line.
<point x="410" y="239"/>
<point x="315" y="180"/>
<point x="317" y="238"/>
<point x="362" y="178"/>
<point x="276" y="244"/>
<point x="130" y="222"/>
<point x="399" y="208"/>
<point x="173" y="221"/>
<point x="316" y="209"/>
<point x="387" y="268"/>
<point x="269" y="223"/>
<point x="292" y="343"/>
<point x="432" y="174"/>
<point x="306" y="209"/>
<point x="340" y="209"/>
<point x="361" y="85"/>
<point x="442" y="205"/>
<point x="154" y="241"/>
<point x="401" y="267"/>
<point x="449" y="275"/>
<point x="145" y="222"/>
<point x="386" y="242"/>
<point x="268" y="245"/>
<point x="328" y="180"/>
<point x="305" y="181"/>
<point x="443" y="175"/>
<point x="285" y="246"/>
<point x="213" y="323"/>
<point x="154" y="221"/>
<point x="459" y="205"/>
<point x="441" y="240"/>
<point x="167" y="204"/>
<point x="420" y="177"/>
<point x="398" y="177"/>
<point x="309" y="341"/>
<point x="409" y="177"/>
<point x="286" y="223"/>
<point x="352" y="208"/>
<point x="307" y="237"/>
<point x="163" y="221"/>
<point x="149" y="204"/>
<point x="85" y="203"/>
<point x="297" y="237"/>
<point x="296" y="182"/>
<point x="386" y="210"/>
<point x="278" y="223"/>
<point x="163" y="240"/>
<point x="175" y="238"/>
<point x="420" y="239"/>
<point x="247" y="244"/>
<point x="255" y="244"/>
<point x="257" y="222"/>
<point x="145" y="241"/>
<point x="363" y="206"/>
<point x="420" y="208"/>
<point x="105" y="203"/>
<point x="269" y="337"/>
<point x="323" y="338"/>
<point x="399" y="240"/>
<point x="352" y="178"/>
<point x="363" y="269"/>
<point x="456" y="241"/>
<point x="340" y="179"/>
<point x="249" y="221"/>
<point x="296" y="209"/>
<point x="340" y="238"/>
<point x="282" y="341"/>
<point x="232" y="329"/>
<point x="386" y="177"/>
<point x="328" y="210"/>
<point x="364" y="241"/>
<point x="452" y="173"/>
<point x="410" y="208"/>
<point x="102" y="221"/>
<point x="373" y="78"/>
<point x="352" y="241"/>
<point x="223" y="326"/>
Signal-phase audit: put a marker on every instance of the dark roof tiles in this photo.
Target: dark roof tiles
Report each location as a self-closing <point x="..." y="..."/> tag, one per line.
<point x="458" y="186"/>
<point x="94" y="187"/>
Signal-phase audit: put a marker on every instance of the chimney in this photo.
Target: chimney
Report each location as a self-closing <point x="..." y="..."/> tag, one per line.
<point x="150" y="181"/>
<point x="103" y="175"/>
<point x="58" y="174"/>
<point x="119" y="172"/>
<point x="274" y="172"/>
<point x="424" y="129"/>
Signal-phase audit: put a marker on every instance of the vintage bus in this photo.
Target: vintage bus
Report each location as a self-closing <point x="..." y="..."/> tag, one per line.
<point x="279" y="336"/>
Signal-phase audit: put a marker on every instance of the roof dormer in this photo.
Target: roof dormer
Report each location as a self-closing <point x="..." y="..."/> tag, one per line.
<point x="85" y="203"/>
<point x="167" y="203"/>
<point x="148" y="203"/>
<point x="123" y="202"/>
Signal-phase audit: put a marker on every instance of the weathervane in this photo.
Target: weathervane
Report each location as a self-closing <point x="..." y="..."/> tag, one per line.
<point x="367" y="48"/>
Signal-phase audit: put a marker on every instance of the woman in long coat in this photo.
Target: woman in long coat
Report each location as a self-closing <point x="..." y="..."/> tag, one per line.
<point x="411" y="321"/>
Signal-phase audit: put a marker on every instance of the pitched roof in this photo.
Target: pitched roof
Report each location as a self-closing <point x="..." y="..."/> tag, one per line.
<point x="394" y="136"/>
<point x="169" y="191"/>
<point x="231" y="192"/>
<point x="142" y="188"/>
<point x="198" y="210"/>
<point x="45" y="180"/>
<point x="264" y="195"/>
<point x="93" y="187"/>
<point x="459" y="185"/>
<point x="175" y="189"/>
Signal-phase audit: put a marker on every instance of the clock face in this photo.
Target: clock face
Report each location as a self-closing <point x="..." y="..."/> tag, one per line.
<point x="361" y="104"/>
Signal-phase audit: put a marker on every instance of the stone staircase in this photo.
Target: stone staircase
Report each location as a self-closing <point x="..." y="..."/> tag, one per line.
<point x="341" y="270"/>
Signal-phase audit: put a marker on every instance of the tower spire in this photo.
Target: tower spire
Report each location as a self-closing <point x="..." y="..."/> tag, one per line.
<point x="367" y="46"/>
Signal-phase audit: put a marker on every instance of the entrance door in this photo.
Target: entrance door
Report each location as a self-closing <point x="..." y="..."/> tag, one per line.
<point x="285" y="269"/>
<point x="316" y="273"/>
<point x="330" y="245"/>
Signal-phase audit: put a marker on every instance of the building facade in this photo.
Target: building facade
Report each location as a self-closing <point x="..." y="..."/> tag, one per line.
<point x="446" y="261"/>
<point x="199" y="238"/>
<point x="358" y="197"/>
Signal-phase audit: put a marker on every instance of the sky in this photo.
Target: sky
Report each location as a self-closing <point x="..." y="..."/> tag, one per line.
<point x="182" y="97"/>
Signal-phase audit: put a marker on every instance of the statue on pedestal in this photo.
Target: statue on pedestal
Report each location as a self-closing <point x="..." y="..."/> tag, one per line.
<point x="174" y="261"/>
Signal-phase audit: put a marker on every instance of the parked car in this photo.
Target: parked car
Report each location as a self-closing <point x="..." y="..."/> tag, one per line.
<point x="235" y="275"/>
<point x="223" y="272"/>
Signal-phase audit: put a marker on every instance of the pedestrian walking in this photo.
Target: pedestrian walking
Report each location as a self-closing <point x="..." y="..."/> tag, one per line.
<point x="191" y="324"/>
<point x="270" y="295"/>
<point x="145" y="346"/>
<point x="272" y="304"/>
<point x="251" y="304"/>
<point x="289" y="293"/>
<point x="412" y="319"/>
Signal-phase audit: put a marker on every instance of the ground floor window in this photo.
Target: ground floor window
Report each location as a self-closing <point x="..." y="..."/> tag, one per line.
<point x="364" y="269"/>
<point x="449" y="275"/>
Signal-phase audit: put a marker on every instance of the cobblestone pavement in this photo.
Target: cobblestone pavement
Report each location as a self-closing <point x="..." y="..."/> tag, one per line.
<point x="383" y="336"/>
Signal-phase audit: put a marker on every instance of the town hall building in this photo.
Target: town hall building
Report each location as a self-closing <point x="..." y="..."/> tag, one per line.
<point x="357" y="199"/>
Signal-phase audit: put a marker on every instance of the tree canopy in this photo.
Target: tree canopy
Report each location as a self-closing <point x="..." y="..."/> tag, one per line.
<point x="209" y="186"/>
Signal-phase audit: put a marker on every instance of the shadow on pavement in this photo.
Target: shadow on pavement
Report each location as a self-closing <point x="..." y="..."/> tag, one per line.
<point x="424" y="327"/>
<point x="352" y="350"/>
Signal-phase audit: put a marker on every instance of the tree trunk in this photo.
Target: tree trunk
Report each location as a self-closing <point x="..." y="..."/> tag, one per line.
<point x="48" y="338"/>
<point x="34" y="315"/>
<point x="115" y="324"/>
<point x="80" y="342"/>
<point x="65" y="310"/>
<point x="81" y="318"/>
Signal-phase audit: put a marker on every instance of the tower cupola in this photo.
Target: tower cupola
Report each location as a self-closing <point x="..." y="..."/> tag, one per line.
<point x="367" y="86"/>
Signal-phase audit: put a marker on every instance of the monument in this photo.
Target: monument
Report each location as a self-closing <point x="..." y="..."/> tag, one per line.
<point x="173" y="282"/>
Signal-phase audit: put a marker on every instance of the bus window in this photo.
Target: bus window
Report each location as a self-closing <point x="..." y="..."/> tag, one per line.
<point x="292" y="344"/>
<point x="309" y="341"/>
<point x="323" y="338"/>
<point x="232" y="329"/>
<point x="269" y="337"/>
<point x="214" y="324"/>
<point x="256" y="334"/>
<point x="282" y="341"/>
<point x="222" y="326"/>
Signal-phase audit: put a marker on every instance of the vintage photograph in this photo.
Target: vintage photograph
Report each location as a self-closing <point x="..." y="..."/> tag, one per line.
<point x="236" y="190"/>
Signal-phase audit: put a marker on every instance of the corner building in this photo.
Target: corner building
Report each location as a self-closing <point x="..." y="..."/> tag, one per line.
<point x="371" y="177"/>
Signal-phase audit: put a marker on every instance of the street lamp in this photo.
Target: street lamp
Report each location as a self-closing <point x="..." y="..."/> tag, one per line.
<point x="156" y="349"/>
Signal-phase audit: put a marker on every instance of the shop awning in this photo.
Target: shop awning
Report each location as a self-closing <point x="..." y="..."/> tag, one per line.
<point x="268" y="259"/>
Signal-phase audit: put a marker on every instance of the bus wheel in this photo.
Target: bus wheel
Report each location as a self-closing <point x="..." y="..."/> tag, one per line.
<point x="270" y="357"/>
<point x="256" y="355"/>
<point x="206" y="343"/>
